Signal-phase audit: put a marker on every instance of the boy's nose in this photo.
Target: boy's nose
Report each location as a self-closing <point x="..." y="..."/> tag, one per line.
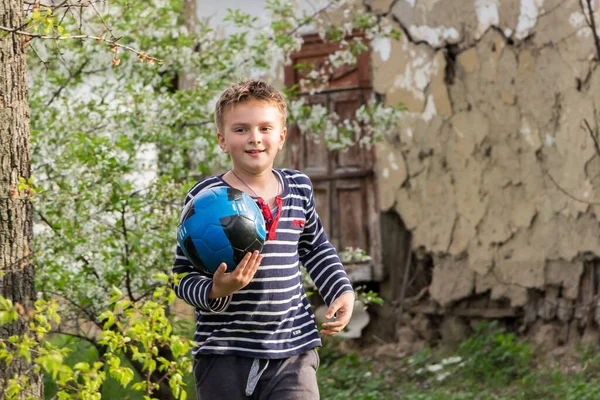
<point x="254" y="136"/>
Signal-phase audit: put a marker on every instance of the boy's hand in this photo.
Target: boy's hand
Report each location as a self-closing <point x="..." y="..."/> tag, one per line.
<point x="226" y="283"/>
<point x="342" y="308"/>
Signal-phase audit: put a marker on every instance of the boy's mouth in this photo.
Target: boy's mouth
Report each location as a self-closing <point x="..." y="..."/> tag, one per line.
<point x="254" y="151"/>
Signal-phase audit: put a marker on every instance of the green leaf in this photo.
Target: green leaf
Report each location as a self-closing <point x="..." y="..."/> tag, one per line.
<point x="82" y="366"/>
<point x="51" y="363"/>
<point x="161" y="276"/>
<point x="7" y="317"/>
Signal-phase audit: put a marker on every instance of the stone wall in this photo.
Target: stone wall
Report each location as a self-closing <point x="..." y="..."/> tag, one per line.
<point x="494" y="172"/>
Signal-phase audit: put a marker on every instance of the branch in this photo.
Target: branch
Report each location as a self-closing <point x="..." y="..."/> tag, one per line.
<point x="77" y="306"/>
<point x="367" y="5"/>
<point x="17" y="262"/>
<point x="593" y="135"/>
<point x="186" y="124"/>
<point x="127" y="250"/>
<point x="103" y="21"/>
<point x="565" y="192"/>
<point x="81" y="4"/>
<point x="40" y="57"/>
<point x="88" y="267"/>
<point x="112" y="43"/>
<point x="592" y="24"/>
<point x="307" y="20"/>
<point x="75" y="335"/>
<point x="71" y="76"/>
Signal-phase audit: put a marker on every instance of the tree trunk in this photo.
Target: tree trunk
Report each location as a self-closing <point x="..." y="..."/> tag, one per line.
<point x="16" y="211"/>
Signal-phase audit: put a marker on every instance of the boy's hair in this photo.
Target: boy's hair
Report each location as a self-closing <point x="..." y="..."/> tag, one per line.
<point x="245" y="91"/>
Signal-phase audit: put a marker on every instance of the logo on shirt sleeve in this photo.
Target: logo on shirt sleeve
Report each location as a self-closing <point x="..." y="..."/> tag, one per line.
<point x="299" y="223"/>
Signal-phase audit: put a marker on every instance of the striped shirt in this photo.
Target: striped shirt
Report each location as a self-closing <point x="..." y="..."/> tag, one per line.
<point x="271" y="317"/>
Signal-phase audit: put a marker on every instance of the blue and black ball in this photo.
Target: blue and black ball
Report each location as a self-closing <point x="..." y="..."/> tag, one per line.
<point x="218" y="225"/>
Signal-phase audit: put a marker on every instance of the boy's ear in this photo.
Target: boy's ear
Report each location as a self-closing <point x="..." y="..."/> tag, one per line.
<point x="282" y="137"/>
<point x="222" y="144"/>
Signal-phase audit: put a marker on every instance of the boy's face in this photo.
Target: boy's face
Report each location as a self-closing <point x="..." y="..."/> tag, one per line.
<point x="252" y="132"/>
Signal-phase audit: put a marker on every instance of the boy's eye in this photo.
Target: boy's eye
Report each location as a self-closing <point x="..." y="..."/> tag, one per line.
<point x="267" y="128"/>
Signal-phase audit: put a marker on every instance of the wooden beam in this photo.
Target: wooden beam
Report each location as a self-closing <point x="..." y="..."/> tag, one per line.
<point x="342" y="175"/>
<point x="490" y="313"/>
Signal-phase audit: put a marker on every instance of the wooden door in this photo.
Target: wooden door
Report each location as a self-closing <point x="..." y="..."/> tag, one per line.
<point x="344" y="182"/>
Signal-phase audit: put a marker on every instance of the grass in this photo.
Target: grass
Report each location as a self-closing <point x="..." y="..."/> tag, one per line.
<point x="491" y="364"/>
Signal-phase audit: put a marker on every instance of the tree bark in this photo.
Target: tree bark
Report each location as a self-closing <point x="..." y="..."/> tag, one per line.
<point x="16" y="211"/>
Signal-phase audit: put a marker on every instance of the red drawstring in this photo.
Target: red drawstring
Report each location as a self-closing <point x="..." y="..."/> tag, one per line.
<point x="269" y="219"/>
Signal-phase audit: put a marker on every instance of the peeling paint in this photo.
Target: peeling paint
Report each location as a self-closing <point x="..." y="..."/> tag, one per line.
<point x="383" y="46"/>
<point x="487" y="15"/>
<point x="392" y="161"/>
<point x="577" y="21"/>
<point x="584" y="33"/>
<point x="434" y="36"/>
<point x="530" y="134"/>
<point x="417" y="73"/>
<point x="530" y="10"/>
<point x="430" y="110"/>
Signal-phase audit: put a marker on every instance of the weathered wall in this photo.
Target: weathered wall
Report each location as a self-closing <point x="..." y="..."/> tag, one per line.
<point x="493" y="171"/>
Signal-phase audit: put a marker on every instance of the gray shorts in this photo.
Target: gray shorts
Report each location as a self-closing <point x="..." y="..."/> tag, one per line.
<point x="226" y="377"/>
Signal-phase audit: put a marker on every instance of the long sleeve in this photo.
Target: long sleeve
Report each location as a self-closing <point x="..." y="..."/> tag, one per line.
<point x="194" y="286"/>
<point x="318" y="255"/>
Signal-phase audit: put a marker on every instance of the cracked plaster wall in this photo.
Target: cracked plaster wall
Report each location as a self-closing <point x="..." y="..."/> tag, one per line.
<point x="493" y="150"/>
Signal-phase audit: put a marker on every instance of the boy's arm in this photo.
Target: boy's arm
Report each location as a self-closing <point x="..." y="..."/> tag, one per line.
<point x="320" y="258"/>
<point x="194" y="287"/>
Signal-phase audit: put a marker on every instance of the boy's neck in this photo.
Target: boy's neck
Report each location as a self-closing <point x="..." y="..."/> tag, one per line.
<point x="257" y="182"/>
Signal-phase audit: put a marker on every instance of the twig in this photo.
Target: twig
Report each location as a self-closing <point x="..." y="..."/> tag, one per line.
<point x="566" y="193"/>
<point x="186" y="124"/>
<point x="60" y="53"/>
<point x="127" y="250"/>
<point x="392" y="4"/>
<point x="71" y="76"/>
<point x="112" y="43"/>
<point x="592" y="24"/>
<point x="367" y="5"/>
<point x="75" y="335"/>
<point x="77" y="306"/>
<point x="80" y="4"/>
<point x="17" y="262"/>
<point x="63" y="17"/>
<point x="307" y="20"/>
<point x="88" y="267"/>
<point x="103" y="21"/>
<point x="593" y="135"/>
<point x="40" y="57"/>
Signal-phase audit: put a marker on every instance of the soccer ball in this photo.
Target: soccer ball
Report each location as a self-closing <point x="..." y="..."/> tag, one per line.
<point x="220" y="225"/>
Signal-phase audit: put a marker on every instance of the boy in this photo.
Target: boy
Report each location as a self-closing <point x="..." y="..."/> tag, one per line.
<point x="255" y="328"/>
